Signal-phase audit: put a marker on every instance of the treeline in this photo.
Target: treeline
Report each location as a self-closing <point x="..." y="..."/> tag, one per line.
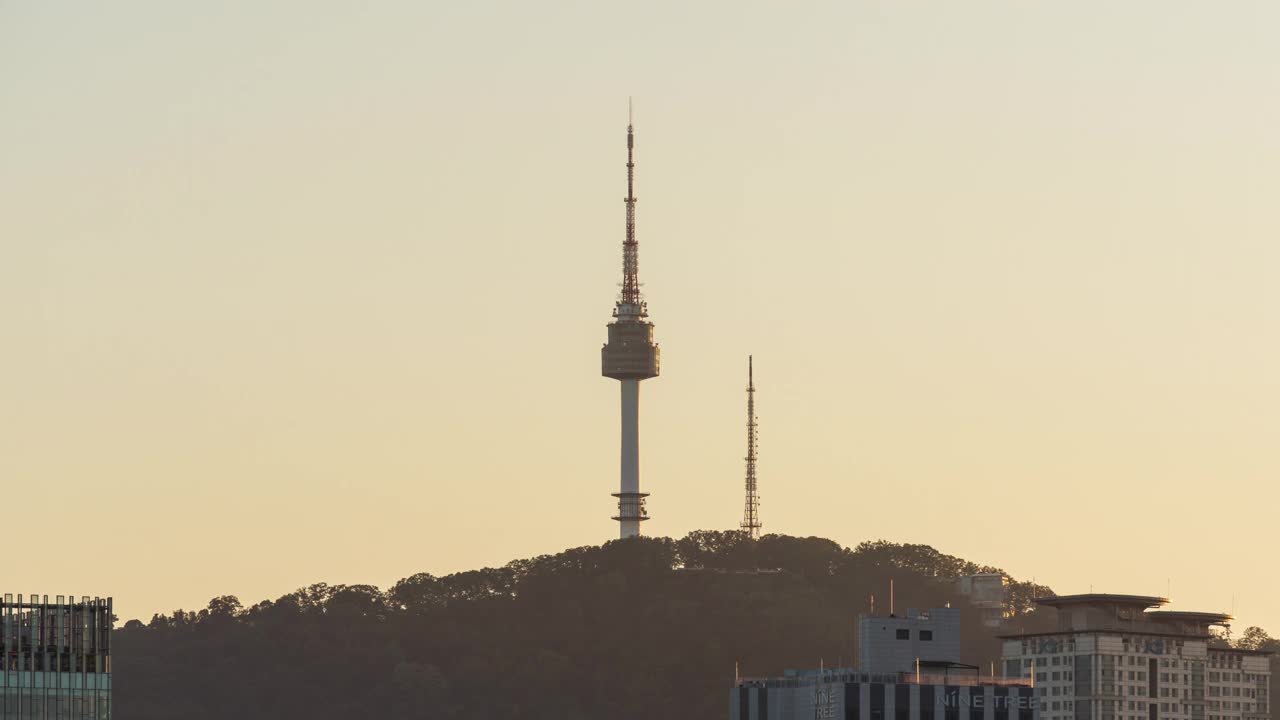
<point x="642" y="628"/>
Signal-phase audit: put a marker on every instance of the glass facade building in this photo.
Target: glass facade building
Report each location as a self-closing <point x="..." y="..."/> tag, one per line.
<point x="56" y="658"/>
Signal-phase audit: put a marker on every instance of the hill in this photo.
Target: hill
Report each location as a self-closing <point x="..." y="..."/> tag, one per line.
<point x="644" y="628"/>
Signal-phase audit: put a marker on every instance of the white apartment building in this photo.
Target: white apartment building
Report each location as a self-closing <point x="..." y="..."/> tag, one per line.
<point x="1115" y="657"/>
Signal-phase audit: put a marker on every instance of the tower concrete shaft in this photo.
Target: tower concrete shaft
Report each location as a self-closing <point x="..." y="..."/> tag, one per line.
<point x="629" y="356"/>
<point x="751" y="513"/>
<point x="631" y="510"/>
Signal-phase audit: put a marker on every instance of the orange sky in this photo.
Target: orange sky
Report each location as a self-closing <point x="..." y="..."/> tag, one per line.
<point x="300" y="292"/>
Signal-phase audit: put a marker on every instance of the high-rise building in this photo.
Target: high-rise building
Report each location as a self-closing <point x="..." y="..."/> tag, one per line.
<point x="1115" y="657"/>
<point x="56" y="658"/>
<point x="630" y="356"/>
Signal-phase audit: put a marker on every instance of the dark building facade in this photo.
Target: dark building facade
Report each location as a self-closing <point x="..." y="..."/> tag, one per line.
<point x="851" y="695"/>
<point x="56" y="658"/>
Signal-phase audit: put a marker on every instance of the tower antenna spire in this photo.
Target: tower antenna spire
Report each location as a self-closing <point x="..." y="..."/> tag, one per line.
<point x="751" y="514"/>
<point x="630" y="302"/>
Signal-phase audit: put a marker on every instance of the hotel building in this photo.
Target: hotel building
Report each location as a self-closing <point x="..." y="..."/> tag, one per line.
<point x="1117" y="657"/>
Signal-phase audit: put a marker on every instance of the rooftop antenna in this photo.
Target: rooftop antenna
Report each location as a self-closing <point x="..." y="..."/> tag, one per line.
<point x="751" y="514"/>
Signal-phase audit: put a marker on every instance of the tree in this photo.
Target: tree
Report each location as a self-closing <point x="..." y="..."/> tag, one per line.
<point x="1255" y="638"/>
<point x="637" y="628"/>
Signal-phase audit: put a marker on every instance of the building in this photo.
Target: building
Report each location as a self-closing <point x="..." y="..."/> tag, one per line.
<point x="896" y="644"/>
<point x="56" y="658"/>
<point x="909" y="669"/>
<point x="988" y="593"/>
<point x="1116" y="657"/>
<point x="846" y="694"/>
<point x="629" y="356"/>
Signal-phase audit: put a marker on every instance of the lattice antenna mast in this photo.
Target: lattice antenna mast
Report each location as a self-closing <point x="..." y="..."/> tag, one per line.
<point x="631" y="303"/>
<point x="751" y="515"/>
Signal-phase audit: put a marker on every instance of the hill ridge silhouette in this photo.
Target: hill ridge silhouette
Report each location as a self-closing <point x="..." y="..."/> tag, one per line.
<point x="639" y="628"/>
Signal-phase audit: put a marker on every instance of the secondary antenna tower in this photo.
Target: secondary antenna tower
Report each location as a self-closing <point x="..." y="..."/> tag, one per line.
<point x="751" y="515"/>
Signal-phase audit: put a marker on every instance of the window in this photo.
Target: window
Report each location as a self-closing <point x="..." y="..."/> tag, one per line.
<point x="926" y="635"/>
<point x="904" y="634"/>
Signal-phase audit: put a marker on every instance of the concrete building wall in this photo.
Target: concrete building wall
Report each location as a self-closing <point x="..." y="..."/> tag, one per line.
<point x="892" y="643"/>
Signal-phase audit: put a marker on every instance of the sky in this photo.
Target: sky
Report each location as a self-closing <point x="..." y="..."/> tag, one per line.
<point x="298" y="292"/>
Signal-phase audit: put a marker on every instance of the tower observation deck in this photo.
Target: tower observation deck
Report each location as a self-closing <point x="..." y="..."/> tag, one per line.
<point x="630" y="356"/>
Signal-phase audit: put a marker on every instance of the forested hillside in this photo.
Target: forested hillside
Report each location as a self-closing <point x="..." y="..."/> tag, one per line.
<point x="644" y="628"/>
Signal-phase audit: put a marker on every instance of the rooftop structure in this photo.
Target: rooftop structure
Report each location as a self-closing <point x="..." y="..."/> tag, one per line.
<point x="897" y="643"/>
<point x="988" y="593"/>
<point x="1189" y="623"/>
<point x="1101" y="611"/>
<point x="55" y="657"/>
<point x="751" y="513"/>
<point x="630" y="356"/>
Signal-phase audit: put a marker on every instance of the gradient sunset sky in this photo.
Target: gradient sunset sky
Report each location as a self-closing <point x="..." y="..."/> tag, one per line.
<point x="315" y="291"/>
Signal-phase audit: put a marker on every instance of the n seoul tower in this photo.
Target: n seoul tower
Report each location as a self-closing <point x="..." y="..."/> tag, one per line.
<point x="629" y="357"/>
